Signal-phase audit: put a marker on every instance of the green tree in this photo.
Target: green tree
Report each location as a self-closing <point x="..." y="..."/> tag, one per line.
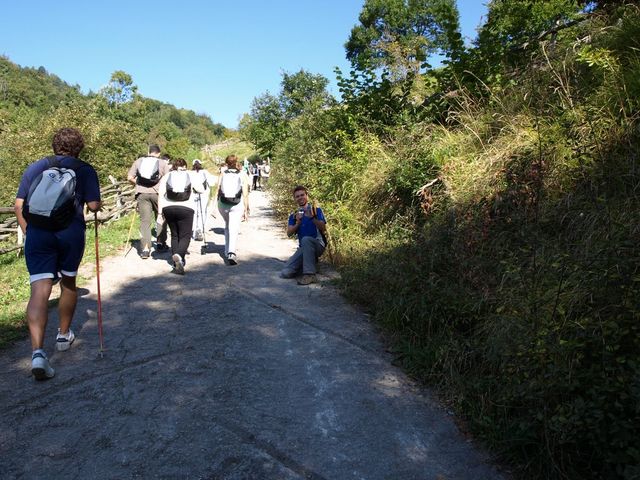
<point x="303" y="90"/>
<point x="401" y="35"/>
<point x="512" y="27"/>
<point x="391" y="81"/>
<point x="267" y="125"/>
<point x="120" y="88"/>
<point x="178" y="147"/>
<point x="268" y="122"/>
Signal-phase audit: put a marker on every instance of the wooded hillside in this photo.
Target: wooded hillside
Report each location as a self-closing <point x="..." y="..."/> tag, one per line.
<point x="117" y="123"/>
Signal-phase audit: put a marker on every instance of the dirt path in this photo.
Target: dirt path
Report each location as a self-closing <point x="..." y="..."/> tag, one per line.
<point x="225" y="373"/>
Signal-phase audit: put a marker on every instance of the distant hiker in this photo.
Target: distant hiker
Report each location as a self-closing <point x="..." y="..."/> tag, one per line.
<point x="233" y="204"/>
<point x="49" y="208"/>
<point x="202" y="182"/>
<point x="146" y="173"/>
<point x="177" y="208"/>
<point x="266" y="171"/>
<point x="310" y="226"/>
<point x="260" y="173"/>
<point x="254" y="176"/>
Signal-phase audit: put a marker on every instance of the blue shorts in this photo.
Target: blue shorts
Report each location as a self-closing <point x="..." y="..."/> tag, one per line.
<point x="49" y="254"/>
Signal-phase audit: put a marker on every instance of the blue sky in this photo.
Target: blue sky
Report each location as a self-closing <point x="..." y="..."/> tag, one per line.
<point x="212" y="57"/>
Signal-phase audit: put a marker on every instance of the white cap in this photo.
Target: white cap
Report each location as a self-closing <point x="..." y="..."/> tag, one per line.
<point x="196" y="160"/>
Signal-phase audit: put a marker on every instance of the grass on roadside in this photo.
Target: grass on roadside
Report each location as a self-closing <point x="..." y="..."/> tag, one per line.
<point x="14" y="278"/>
<point x="233" y="146"/>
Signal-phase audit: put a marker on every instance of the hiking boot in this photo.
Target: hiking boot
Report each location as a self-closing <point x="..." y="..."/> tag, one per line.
<point x="231" y="258"/>
<point x="64" y="341"/>
<point x="145" y="254"/>
<point x="161" y="247"/>
<point x="178" y="264"/>
<point x="307" y="279"/>
<point x="40" y="367"/>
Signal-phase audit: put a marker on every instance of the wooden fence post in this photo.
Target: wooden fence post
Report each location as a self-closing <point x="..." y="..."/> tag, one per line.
<point x="114" y="182"/>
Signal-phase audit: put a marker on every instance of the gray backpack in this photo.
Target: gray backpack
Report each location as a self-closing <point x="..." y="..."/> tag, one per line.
<point x="51" y="202"/>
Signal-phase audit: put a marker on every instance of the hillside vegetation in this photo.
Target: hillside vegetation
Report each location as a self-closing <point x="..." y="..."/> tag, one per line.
<point x="116" y="122"/>
<point x="487" y="213"/>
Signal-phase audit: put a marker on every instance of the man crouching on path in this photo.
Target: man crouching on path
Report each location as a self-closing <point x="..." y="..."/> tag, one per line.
<point x="310" y="226"/>
<point x="54" y="242"/>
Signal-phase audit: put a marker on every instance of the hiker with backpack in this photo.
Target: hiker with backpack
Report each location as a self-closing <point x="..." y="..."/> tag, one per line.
<point x="177" y="208"/>
<point x="254" y="175"/>
<point x="202" y="182"/>
<point x="266" y="171"/>
<point x="233" y="204"/>
<point x="49" y="209"/>
<point x="309" y="224"/>
<point x="145" y="174"/>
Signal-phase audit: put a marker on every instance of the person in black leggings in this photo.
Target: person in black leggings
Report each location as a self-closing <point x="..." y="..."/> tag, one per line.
<point x="176" y="205"/>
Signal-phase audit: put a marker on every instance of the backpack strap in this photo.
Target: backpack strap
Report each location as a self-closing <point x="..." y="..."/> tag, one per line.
<point x="54" y="161"/>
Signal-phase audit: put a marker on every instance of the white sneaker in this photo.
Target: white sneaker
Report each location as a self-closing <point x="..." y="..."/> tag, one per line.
<point x="40" y="366"/>
<point x="178" y="264"/>
<point x="64" y="341"/>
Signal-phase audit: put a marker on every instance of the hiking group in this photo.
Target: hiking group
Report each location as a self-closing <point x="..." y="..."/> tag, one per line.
<point x="259" y="173"/>
<point x="50" y="205"/>
<point x="169" y="195"/>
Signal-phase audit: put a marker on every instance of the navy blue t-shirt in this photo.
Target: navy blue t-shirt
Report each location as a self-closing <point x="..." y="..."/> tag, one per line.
<point x="87" y="186"/>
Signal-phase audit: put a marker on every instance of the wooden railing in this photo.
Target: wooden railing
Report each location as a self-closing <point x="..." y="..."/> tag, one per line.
<point x="118" y="199"/>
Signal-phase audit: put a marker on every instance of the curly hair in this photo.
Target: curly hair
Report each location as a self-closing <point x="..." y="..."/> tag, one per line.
<point x="67" y="141"/>
<point x="231" y="161"/>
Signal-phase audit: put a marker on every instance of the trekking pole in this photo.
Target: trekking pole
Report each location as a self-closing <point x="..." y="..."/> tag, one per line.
<point x="133" y="217"/>
<point x="203" y="247"/>
<point x="329" y="245"/>
<point x="314" y="206"/>
<point x="204" y="220"/>
<point x="98" y="284"/>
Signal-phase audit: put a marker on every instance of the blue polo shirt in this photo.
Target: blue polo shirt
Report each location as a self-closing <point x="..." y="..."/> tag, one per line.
<point x="307" y="227"/>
